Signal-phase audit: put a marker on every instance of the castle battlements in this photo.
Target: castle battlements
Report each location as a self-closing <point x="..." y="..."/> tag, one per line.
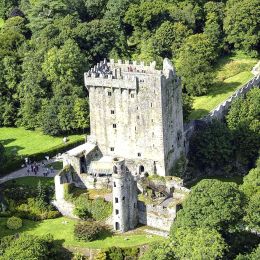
<point x="124" y="74"/>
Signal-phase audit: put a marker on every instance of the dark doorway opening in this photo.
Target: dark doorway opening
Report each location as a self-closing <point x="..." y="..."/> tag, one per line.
<point x="117" y="226"/>
<point x="141" y="169"/>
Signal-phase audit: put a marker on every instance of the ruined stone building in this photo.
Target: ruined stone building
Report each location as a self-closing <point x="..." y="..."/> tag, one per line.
<point x="136" y="127"/>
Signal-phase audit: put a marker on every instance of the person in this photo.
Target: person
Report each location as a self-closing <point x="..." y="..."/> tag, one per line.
<point x="52" y="170"/>
<point x="65" y="140"/>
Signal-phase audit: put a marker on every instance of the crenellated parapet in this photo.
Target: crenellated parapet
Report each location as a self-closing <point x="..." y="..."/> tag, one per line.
<point x="126" y="74"/>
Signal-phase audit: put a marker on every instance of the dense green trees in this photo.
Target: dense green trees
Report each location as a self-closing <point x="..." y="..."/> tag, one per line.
<point x="244" y="121"/>
<point x="213" y="204"/>
<point x="45" y="46"/>
<point x="194" y="64"/>
<point x="198" y="243"/>
<point x="28" y="247"/>
<point x="241" y="24"/>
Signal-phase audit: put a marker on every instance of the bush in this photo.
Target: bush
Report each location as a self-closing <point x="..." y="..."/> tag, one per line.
<point x="14" y="223"/>
<point x="36" y="209"/>
<point x="88" y="231"/>
<point x="97" y="209"/>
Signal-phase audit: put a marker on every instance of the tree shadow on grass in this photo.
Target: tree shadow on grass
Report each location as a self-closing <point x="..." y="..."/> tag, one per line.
<point x="221" y="87"/>
<point x="197" y="113"/>
<point x="28" y="225"/>
<point x="11" y="151"/>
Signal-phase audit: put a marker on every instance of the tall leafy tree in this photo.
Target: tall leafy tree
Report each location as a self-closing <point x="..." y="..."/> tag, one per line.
<point x="241" y="24"/>
<point x="194" y="64"/>
<point x="211" y="204"/>
<point x="198" y="243"/>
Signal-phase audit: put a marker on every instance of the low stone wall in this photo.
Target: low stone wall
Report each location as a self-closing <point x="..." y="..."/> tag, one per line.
<point x="219" y="112"/>
<point x="156" y="216"/>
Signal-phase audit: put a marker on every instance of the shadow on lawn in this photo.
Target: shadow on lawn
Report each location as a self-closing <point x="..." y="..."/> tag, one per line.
<point x="221" y="87"/>
<point x="11" y="151"/>
<point x="197" y="113"/>
<point x="28" y="225"/>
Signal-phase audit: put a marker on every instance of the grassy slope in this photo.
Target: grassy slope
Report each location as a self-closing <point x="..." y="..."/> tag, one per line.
<point x="24" y="142"/>
<point x="64" y="233"/>
<point x="231" y="73"/>
<point x="31" y="182"/>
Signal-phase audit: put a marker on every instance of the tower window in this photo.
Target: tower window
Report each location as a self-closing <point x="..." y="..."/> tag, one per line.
<point x="117" y="211"/>
<point x="153" y="134"/>
<point x="112" y="149"/>
<point x="124" y="198"/>
<point x="116" y="200"/>
<point x="151" y="104"/>
<point x="138" y="117"/>
<point x="112" y="112"/>
<point x="114" y="184"/>
<point x="132" y="95"/>
<point x="109" y="93"/>
<point x="152" y="120"/>
<point x="139" y="154"/>
<point x="114" y="125"/>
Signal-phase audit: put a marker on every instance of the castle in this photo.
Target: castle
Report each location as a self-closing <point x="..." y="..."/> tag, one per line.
<point x="136" y="130"/>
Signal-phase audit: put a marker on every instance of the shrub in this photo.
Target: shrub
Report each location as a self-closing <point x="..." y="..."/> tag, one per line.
<point x="88" y="231"/>
<point x="97" y="209"/>
<point x="14" y="223"/>
<point x="36" y="209"/>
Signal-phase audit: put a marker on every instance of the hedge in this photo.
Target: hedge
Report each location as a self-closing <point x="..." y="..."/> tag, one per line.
<point x="15" y="163"/>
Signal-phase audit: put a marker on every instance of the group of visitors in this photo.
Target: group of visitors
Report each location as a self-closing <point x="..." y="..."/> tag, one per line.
<point x="34" y="167"/>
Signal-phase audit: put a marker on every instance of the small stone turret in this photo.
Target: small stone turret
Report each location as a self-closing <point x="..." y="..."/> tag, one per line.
<point x="124" y="197"/>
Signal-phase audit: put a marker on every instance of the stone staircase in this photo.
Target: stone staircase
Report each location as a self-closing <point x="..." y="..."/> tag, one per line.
<point x="65" y="208"/>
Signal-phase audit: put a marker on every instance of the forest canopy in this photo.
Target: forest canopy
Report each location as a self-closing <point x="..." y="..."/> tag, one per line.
<point x="46" y="45"/>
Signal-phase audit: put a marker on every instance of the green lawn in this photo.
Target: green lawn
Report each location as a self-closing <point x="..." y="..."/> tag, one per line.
<point x="64" y="233"/>
<point x="31" y="182"/>
<point x="19" y="141"/>
<point x="231" y="73"/>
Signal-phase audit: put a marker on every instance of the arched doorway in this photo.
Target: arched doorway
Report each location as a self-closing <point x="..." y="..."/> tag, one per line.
<point x="141" y="169"/>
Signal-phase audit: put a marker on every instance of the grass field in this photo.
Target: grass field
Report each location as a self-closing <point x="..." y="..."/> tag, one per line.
<point x="64" y="233"/>
<point x="30" y="182"/>
<point x="19" y="141"/>
<point x="231" y="73"/>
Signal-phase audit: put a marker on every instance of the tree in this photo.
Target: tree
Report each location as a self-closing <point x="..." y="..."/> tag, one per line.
<point x="28" y="247"/>
<point x="251" y="183"/>
<point x="214" y="23"/>
<point x="50" y="123"/>
<point x="81" y="114"/>
<point x="251" y="218"/>
<point x="169" y="37"/>
<point x="159" y="251"/>
<point x="212" y="204"/>
<point x="244" y="121"/>
<point x="187" y="105"/>
<point x="198" y="243"/>
<point x="2" y="154"/>
<point x="194" y="64"/>
<point x="64" y="64"/>
<point x="241" y="24"/>
<point x="211" y="147"/>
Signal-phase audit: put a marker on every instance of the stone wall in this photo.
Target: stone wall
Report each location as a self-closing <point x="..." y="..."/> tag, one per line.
<point x="139" y="113"/>
<point x="156" y="216"/>
<point x="219" y="112"/>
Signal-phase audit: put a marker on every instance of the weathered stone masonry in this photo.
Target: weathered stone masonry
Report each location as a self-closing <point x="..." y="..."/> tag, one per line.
<point x="136" y="128"/>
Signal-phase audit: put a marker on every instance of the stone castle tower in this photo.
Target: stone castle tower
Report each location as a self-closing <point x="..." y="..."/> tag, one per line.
<point x="136" y="113"/>
<point x="124" y="197"/>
